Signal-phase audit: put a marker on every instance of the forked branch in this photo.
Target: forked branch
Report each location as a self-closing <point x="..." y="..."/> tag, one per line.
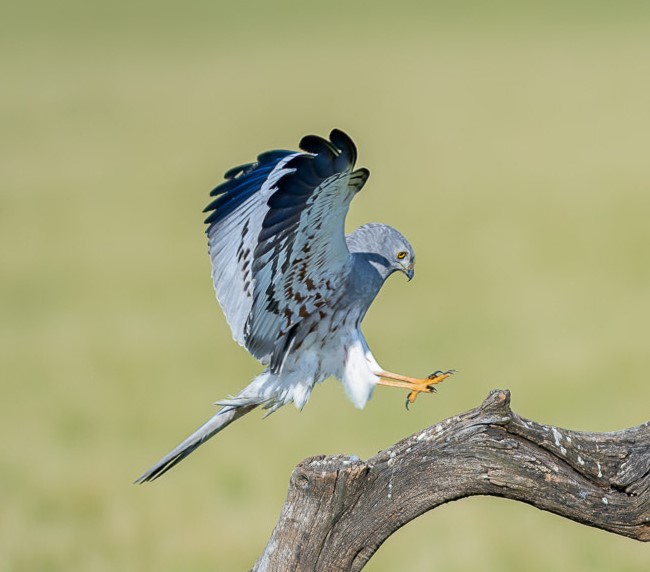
<point x="339" y="509"/>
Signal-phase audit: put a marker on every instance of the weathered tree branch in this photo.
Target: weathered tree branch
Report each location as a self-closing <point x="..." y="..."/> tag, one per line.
<point x="339" y="509"/>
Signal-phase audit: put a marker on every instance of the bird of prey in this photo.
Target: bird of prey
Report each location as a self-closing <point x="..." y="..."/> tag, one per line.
<point x="294" y="288"/>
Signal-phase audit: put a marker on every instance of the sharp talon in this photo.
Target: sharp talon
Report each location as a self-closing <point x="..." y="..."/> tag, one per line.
<point x="443" y="374"/>
<point x="406" y="403"/>
<point x="415" y="386"/>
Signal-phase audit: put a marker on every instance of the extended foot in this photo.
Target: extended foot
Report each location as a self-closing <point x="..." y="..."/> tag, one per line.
<point x="428" y="385"/>
<point x="413" y="384"/>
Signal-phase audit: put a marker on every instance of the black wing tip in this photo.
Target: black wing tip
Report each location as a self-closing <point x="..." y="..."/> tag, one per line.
<point x="236" y="171"/>
<point x="363" y="174"/>
<point x="339" y="149"/>
<point x="273" y="156"/>
<point x="315" y="144"/>
<point x="323" y="158"/>
<point x="240" y="183"/>
<point x="344" y="142"/>
<point x="340" y="138"/>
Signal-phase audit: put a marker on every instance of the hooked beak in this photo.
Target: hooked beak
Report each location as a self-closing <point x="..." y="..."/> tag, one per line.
<point x="410" y="272"/>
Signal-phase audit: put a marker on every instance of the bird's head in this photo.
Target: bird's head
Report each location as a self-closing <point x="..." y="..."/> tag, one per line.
<point x="386" y="249"/>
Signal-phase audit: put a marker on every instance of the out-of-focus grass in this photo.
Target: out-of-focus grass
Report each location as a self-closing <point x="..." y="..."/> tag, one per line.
<point x="510" y="145"/>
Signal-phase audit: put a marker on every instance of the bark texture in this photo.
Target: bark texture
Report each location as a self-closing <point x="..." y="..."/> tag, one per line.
<point x="339" y="509"/>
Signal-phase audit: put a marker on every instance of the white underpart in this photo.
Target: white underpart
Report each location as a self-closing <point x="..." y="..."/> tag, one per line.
<point x="345" y="357"/>
<point x="358" y="377"/>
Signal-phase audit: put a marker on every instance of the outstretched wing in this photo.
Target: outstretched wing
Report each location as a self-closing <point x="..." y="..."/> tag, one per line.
<point x="283" y="244"/>
<point x="234" y="225"/>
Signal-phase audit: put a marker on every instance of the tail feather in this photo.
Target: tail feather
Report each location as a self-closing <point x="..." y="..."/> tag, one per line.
<point x="211" y="427"/>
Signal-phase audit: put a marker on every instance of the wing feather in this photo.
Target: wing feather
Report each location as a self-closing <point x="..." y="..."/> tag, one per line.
<point x="277" y="242"/>
<point x="302" y="258"/>
<point x="234" y="223"/>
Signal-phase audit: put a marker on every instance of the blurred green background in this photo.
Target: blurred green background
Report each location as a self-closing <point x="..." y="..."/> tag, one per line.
<point x="509" y="141"/>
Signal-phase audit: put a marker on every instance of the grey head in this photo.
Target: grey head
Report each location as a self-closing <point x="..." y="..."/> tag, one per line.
<point x="384" y="248"/>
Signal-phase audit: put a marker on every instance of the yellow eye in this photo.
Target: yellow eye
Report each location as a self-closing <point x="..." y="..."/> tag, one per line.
<point x="401" y="255"/>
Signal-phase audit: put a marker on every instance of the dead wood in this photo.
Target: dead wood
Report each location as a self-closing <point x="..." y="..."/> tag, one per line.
<point x="339" y="510"/>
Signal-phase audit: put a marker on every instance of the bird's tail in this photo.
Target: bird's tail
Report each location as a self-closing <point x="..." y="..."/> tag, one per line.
<point x="212" y="426"/>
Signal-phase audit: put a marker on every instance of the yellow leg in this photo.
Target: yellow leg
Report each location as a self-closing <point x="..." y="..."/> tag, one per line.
<point x="414" y="384"/>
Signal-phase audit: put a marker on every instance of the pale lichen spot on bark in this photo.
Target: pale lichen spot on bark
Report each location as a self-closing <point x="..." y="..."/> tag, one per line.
<point x="557" y="436"/>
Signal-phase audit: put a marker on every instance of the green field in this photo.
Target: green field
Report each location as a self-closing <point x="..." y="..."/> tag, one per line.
<point x="508" y="141"/>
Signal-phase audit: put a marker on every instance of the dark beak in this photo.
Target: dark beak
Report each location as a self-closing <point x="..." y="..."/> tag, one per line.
<point x="410" y="272"/>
